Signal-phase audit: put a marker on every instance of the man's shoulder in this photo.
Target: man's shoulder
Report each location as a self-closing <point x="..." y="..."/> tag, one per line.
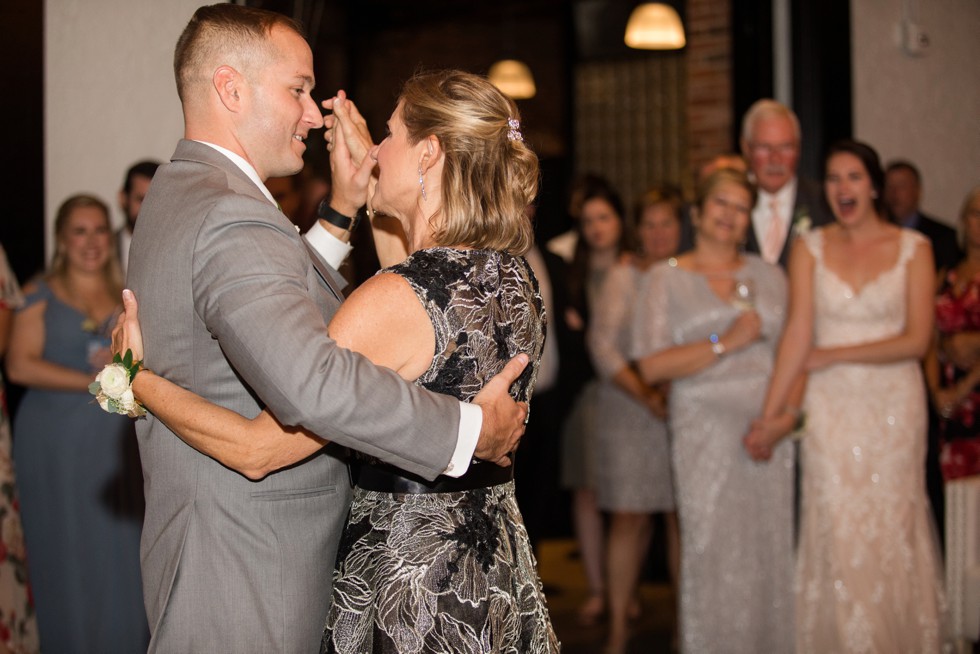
<point x="934" y="226"/>
<point x="810" y="199"/>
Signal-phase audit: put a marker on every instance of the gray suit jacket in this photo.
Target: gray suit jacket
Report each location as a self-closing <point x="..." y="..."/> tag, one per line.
<point x="810" y="201"/>
<point x="234" y="308"/>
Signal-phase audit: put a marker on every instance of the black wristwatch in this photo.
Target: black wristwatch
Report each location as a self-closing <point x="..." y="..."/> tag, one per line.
<point x="337" y="219"/>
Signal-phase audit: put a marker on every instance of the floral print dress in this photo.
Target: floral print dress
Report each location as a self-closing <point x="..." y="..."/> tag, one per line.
<point x="450" y="571"/>
<point x="958" y="312"/>
<point x="18" y="627"/>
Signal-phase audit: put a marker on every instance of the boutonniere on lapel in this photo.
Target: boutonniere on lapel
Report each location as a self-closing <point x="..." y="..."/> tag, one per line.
<point x="801" y="221"/>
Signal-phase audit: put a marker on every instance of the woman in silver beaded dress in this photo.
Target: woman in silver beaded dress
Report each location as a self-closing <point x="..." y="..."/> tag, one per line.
<point x="443" y="565"/>
<point x="708" y="321"/>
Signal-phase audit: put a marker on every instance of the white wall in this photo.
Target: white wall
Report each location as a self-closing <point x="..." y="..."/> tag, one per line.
<point x="109" y="92"/>
<point x="925" y="109"/>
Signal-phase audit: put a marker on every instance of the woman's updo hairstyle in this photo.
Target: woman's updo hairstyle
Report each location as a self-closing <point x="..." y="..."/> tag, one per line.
<point x="723" y="176"/>
<point x="490" y="176"/>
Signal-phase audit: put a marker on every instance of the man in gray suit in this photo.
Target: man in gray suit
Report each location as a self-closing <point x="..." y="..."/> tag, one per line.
<point x="234" y="307"/>
<point x="788" y="205"/>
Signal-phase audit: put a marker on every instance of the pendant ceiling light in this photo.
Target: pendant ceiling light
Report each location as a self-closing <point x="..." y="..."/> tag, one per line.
<point x="655" y="26"/>
<point x="513" y="78"/>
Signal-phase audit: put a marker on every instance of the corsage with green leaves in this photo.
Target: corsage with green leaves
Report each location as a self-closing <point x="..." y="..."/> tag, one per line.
<point x="113" y="386"/>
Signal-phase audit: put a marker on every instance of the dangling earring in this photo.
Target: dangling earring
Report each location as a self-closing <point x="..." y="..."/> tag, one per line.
<point x="422" y="183"/>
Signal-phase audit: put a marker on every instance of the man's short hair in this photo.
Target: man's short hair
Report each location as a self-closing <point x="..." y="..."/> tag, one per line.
<point x="903" y="164"/>
<point x="763" y="109"/>
<point x="145" y="168"/>
<point x="226" y="30"/>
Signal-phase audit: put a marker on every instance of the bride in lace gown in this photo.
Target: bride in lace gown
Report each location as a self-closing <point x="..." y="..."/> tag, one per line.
<point x="868" y="573"/>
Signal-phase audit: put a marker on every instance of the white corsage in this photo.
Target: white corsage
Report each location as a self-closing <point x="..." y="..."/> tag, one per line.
<point x="802" y="222"/>
<point x="113" y="386"/>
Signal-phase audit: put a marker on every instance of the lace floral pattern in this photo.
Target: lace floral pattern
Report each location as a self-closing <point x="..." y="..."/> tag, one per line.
<point x="868" y="577"/>
<point x="450" y="572"/>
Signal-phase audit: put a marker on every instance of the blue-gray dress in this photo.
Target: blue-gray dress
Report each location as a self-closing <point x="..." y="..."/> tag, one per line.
<point x="81" y="501"/>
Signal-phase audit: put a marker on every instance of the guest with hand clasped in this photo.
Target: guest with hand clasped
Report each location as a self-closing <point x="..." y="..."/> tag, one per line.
<point x="634" y="478"/>
<point x="868" y="573"/>
<point x="78" y="473"/>
<point x="602" y="237"/>
<point x="953" y="364"/>
<point x="424" y="565"/>
<point x="707" y="322"/>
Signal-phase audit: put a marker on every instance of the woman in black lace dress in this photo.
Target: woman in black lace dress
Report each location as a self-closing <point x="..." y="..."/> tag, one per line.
<point x="444" y="565"/>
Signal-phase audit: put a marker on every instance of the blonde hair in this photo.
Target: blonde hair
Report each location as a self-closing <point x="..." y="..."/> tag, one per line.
<point x="724" y="176"/>
<point x="237" y="34"/>
<point x="112" y="271"/>
<point x="489" y="176"/>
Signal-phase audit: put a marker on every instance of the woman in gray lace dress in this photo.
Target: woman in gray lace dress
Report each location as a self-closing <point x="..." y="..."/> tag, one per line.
<point x="443" y="565"/>
<point x="708" y="322"/>
<point x="633" y="466"/>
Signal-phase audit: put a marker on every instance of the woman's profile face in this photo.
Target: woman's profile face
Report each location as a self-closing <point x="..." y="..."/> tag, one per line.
<point x="602" y="227"/>
<point x="848" y="186"/>
<point x="86" y="239"/>
<point x="398" y="192"/>
<point x="659" y="231"/>
<point x="725" y="213"/>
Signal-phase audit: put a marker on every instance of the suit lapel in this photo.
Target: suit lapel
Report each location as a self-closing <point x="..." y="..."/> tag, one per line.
<point x="325" y="272"/>
<point x="199" y="152"/>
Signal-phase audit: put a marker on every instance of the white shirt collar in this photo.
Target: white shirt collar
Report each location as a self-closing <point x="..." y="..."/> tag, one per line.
<point x="784" y="196"/>
<point x="245" y="167"/>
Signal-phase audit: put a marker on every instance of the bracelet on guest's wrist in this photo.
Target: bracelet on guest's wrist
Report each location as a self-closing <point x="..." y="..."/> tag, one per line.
<point x="717" y="346"/>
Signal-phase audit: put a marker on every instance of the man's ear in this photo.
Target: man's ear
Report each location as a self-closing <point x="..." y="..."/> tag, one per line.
<point x="229" y="85"/>
<point x="431" y="152"/>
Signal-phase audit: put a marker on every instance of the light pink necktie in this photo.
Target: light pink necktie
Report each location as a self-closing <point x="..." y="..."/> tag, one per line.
<point x="775" y="235"/>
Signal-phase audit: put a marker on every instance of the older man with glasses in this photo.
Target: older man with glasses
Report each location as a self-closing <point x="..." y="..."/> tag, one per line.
<point x="787" y="205"/>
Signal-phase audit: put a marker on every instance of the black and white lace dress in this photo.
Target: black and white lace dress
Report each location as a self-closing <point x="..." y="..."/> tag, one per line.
<point x="452" y="571"/>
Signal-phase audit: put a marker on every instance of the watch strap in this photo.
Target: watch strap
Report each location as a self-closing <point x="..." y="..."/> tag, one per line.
<point x="337" y="219"/>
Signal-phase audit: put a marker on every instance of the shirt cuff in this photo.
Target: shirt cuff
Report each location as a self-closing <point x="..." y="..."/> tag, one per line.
<point x="331" y="248"/>
<point x="470" y="424"/>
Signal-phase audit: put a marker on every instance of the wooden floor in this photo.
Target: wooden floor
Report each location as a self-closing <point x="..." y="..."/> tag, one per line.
<point x="566" y="589"/>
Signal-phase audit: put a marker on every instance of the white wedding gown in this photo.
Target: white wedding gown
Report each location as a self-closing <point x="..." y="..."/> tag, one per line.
<point x="868" y="577"/>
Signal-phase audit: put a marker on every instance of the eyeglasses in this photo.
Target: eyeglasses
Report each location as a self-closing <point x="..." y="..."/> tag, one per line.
<point x="783" y="149"/>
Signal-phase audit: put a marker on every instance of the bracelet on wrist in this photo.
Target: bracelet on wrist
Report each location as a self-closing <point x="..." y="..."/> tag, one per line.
<point x="113" y="386"/>
<point x="717" y="346"/>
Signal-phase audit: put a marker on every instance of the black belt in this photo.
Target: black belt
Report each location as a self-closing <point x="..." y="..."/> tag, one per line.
<point x="388" y="479"/>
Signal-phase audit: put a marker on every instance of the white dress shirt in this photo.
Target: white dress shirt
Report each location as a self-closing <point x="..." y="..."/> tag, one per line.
<point x="762" y="213"/>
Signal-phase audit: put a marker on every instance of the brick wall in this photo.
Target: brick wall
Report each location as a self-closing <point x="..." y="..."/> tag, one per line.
<point x="709" y="81"/>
